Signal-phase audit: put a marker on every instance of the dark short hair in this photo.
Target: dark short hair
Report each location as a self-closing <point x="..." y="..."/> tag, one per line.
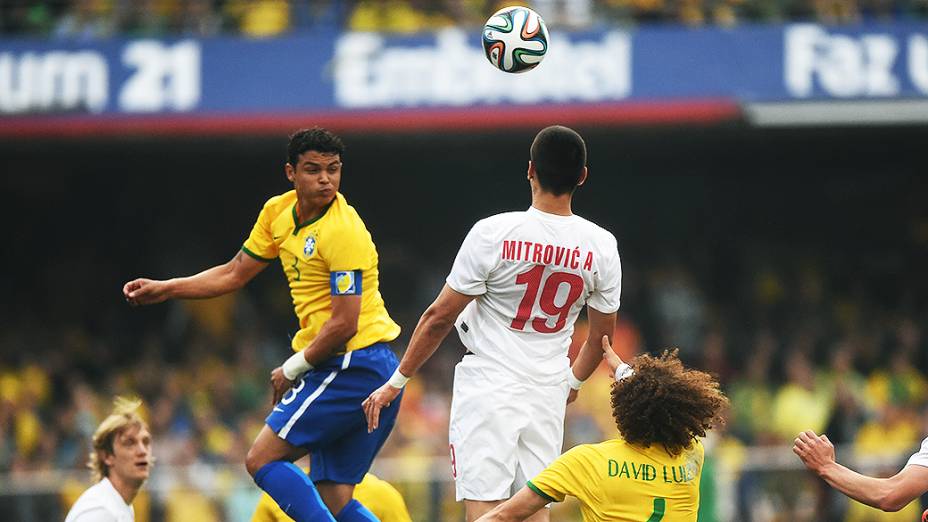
<point x="665" y="403"/>
<point x="317" y="139"/>
<point x="559" y="155"/>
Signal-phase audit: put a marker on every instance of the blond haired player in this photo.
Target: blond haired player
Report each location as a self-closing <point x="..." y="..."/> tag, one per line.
<point x="120" y="462"/>
<point x="514" y="292"/>
<point x="382" y="499"/>
<point x="651" y="471"/>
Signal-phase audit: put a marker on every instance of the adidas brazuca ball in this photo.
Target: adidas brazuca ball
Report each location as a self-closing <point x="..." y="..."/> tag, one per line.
<point x="515" y="39"/>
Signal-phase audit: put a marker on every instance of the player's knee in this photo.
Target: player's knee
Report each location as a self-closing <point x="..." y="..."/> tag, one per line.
<point x="254" y="461"/>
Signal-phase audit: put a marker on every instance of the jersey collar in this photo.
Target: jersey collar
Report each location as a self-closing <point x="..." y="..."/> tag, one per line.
<point x="296" y="218"/>
<point x="552" y="217"/>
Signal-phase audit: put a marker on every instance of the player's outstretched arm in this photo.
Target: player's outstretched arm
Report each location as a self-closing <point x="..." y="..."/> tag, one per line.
<point x="591" y="353"/>
<point x="888" y="494"/>
<point x="433" y="327"/>
<point x="522" y="505"/>
<point x="213" y="282"/>
<point x="612" y="359"/>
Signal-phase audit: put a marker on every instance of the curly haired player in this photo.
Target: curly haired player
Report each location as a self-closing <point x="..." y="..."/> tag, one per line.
<point x="661" y="410"/>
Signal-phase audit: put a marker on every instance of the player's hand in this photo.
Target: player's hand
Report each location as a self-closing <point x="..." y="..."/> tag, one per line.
<point x="815" y="451"/>
<point x="610" y="356"/>
<point x="381" y="398"/>
<point x="279" y="383"/>
<point x="145" y="291"/>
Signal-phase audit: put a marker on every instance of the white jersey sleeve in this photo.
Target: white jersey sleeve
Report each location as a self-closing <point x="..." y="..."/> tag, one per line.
<point x="606" y="294"/>
<point x="920" y="458"/>
<point x="473" y="263"/>
<point x="98" y="514"/>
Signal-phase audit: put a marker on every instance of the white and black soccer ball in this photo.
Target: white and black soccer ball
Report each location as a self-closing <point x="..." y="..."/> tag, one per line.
<point x="515" y="39"/>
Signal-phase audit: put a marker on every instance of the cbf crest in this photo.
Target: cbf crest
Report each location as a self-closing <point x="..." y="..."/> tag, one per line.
<point x="309" y="247"/>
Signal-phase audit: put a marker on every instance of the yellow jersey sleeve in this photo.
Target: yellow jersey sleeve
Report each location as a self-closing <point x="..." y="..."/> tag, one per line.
<point x="565" y="476"/>
<point x="260" y="243"/>
<point x="352" y="248"/>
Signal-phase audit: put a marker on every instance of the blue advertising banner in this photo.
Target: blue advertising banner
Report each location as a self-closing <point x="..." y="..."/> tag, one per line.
<point x="604" y="74"/>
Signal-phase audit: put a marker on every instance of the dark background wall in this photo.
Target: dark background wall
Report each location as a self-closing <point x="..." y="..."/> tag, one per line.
<point x="84" y="216"/>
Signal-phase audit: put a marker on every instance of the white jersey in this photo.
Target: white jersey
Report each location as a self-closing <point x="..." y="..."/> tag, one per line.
<point x="920" y="458"/>
<point x="101" y="503"/>
<point x="532" y="273"/>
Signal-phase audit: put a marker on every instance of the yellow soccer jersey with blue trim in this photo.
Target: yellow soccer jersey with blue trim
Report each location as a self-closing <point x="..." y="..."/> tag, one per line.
<point x="617" y="481"/>
<point x="324" y="257"/>
<point x="378" y="496"/>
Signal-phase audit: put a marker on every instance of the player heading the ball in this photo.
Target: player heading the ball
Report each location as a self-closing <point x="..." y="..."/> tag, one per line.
<point x="515" y="290"/>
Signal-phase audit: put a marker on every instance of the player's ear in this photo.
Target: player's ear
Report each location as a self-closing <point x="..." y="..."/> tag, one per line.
<point x="289" y="171"/>
<point x="531" y="170"/>
<point x="108" y="458"/>
<point x="583" y="176"/>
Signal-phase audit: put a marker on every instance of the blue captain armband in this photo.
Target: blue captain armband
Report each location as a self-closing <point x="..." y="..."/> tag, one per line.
<point x="346" y="282"/>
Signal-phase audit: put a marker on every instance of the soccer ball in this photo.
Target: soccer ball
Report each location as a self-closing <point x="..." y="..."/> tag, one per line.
<point x="515" y="39"/>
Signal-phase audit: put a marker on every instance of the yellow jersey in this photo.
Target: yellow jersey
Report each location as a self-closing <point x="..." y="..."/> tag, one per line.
<point x="378" y="496"/>
<point x="330" y="255"/>
<point x="617" y="481"/>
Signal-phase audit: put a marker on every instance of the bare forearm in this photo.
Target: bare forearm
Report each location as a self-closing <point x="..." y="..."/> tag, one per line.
<point x="602" y="326"/>
<point x="875" y="492"/>
<point x="521" y="506"/>
<point x="587" y="360"/>
<point x="331" y="339"/>
<point x="497" y="515"/>
<point x="507" y="513"/>
<point x="429" y="333"/>
<point x="216" y="281"/>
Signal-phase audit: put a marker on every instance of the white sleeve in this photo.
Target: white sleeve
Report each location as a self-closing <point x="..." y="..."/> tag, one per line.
<point x="472" y="265"/>
<point x="97" y="514"/>
<point x="608" y="280"/>
<point x="920" y="458"/>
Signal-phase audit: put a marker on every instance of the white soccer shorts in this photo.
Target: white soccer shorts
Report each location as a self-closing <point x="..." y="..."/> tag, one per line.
<point x="502" y="432"/>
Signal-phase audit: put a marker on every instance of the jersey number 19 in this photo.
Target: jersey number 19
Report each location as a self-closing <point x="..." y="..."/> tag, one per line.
<point x="532" y="278"/>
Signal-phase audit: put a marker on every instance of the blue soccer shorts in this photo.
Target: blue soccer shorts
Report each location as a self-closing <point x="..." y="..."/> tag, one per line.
<point x="322" y="413"/>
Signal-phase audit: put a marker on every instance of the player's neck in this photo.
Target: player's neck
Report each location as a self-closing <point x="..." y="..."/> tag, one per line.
<point x="551" y="204"/>
<point x="307" y="211"/>
<point x="127" y="489"/>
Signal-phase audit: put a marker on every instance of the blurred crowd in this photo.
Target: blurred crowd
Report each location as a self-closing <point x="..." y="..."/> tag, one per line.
<point x="797" y="344"/>
<point x="90" y="19"/>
